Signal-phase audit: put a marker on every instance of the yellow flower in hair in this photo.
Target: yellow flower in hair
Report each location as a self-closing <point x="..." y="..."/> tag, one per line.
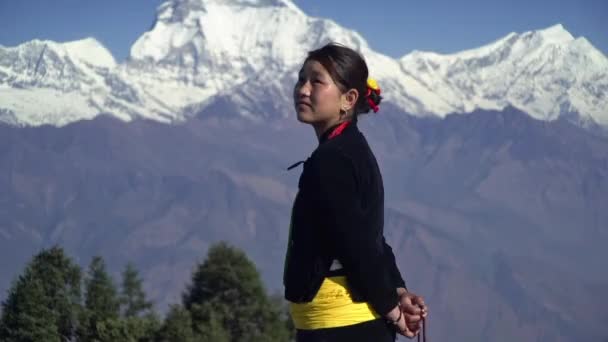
<point x="372" y="84"/>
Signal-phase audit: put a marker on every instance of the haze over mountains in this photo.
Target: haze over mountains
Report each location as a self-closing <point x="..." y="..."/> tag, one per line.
<point x="497" y="216"/>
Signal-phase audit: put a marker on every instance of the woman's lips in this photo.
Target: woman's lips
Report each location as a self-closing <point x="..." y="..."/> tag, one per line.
<point x="302" y="104"/>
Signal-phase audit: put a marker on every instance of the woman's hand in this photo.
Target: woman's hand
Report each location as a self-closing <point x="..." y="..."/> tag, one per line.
<point x="414" y="311"/>
<point x="397" y="318"/>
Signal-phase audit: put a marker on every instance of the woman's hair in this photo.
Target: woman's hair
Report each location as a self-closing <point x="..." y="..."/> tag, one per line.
<point x="348" y="70"/>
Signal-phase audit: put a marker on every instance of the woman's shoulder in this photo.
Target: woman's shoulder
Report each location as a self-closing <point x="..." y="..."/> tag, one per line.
<point x="330" y="155"/>
<point x="352" y="146"/>
<point x="337" y="160"/>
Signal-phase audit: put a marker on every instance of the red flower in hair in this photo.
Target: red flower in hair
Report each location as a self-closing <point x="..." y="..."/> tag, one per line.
<point x="373" y="94"/>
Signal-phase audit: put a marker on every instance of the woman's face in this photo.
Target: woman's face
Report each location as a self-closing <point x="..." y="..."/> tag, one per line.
<point x="316" y="96"/>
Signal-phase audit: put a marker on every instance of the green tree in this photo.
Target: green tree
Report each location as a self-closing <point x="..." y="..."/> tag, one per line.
<point x="282" y="307"/>
<point x="139" y="319"/>
<point x="133" y="298"/>
<point x="177" y="326"/>
<point x="25" y="315"/>
<point x="43" y="304"/>
<point x="209" y="324"/>
<point x="131" y="329"/>
<point x="101" y="314"/>
<point x="141" y="328"/>
<point x="226" y="289"/>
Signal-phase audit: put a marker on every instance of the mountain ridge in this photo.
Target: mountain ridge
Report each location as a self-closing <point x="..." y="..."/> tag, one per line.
<point x="483" y="210"/>
<point x="201" y="49"/>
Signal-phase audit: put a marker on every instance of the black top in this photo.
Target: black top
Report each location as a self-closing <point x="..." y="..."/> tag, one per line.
<point x="338" y="214"/>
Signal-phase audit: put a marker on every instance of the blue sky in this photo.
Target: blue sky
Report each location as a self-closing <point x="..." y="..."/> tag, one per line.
<point x="392" y="27"/>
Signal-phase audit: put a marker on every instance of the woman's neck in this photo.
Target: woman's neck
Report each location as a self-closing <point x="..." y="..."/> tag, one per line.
<point x="321" y="129"/>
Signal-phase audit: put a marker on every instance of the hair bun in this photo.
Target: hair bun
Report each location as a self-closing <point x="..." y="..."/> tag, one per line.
<point x="373" y="94"/>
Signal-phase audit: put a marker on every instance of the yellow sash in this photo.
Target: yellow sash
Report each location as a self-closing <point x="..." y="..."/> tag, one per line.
<point x="332" y="307"/>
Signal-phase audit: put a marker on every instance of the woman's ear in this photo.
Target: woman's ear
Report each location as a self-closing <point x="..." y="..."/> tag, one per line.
<point x="349" y="99"/>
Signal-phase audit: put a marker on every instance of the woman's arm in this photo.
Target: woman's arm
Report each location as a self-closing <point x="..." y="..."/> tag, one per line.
<point x="398" y="281"/>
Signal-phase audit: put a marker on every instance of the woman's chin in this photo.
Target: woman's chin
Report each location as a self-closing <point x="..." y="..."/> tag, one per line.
<point x="304" y="117"/>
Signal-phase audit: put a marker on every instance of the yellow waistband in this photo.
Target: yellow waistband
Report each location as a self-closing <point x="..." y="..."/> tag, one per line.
<point x="332" y="307"/>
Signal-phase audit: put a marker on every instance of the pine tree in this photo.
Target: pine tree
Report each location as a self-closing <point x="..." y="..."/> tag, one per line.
<point x="141" y="328"/>
<point x="177" y="326"/>
<point x="101" y="314"/>
<point x="44" y="303"/>
<point x="26" y="315"/>
<point x="140" y="320"/>
<point x="227" y="288"/>
<point x="208" y="326"/>
<point x="101" y="297"/>
<point x="133" y="298"/>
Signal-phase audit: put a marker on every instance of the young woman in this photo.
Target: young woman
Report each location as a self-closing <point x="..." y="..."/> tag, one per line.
<point x="340" y="275"/>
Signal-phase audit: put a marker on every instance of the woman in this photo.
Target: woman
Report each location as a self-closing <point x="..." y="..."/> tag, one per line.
<point x="340" y="275"/>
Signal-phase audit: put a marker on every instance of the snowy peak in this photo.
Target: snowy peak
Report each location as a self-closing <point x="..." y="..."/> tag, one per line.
<point x="47" y="82"/>
<point x="251" y="3"/>
<point x="65" y="66"/>
<point x="90" y="51"/>
<point x="245" y="54"/>
<point x="199" y="4"/>
<point x="212" y="36"/>
<point x="555" y="34"/>
<point x="207" y="48"/>
<point x="190" y="32"/>
<point x="546" y="73"/>
<point x="510" y="44"/>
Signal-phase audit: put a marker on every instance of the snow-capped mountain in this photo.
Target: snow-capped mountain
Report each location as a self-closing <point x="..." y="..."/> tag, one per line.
<point x="37" y="79"/>
<point x="202" y="50"/>
<point x="45" y="82"/>
<point x="247" y="53"/>
<point x="545" y="73"/>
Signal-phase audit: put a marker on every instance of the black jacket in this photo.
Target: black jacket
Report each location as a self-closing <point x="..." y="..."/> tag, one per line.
<point x="338" y="214"/>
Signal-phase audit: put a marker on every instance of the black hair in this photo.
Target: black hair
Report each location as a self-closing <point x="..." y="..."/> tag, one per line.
<point x="348" y="70"/>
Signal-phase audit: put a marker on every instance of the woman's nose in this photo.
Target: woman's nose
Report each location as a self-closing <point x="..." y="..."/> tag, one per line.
<point x="303" y="89"/>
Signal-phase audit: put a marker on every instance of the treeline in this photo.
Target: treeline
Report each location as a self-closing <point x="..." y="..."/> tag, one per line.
<point x="53" y="300"/>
